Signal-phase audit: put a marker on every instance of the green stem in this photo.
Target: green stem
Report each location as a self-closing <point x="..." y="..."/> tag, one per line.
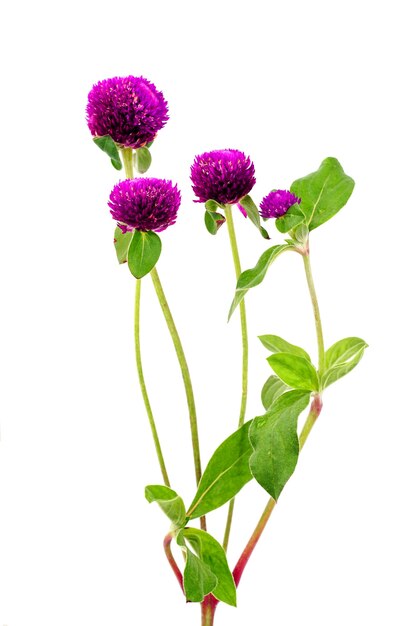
<point x="314" y="301"/>
<point x="143" y="387"/>
<point x="185" y="375"/>
<point x="245" y="352"/>
<point x="127" y="158"/>
<point x="315" y="410"/>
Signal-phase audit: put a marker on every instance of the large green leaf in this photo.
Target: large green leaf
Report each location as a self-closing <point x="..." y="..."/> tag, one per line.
<point x="143" y="159"/>
<point x="275" y="442"/>
<point x="295" y="371"/>
<point x="272" y="390"/>
<point x="121" y="243"/>
<point x="198" y="579"/>
<point x="225" y="475"/>
<point x="213" y="556"/>
<point x="108" y="146"/>
<point x="278" y="344"/>
<point x="169" y="501"/>
<point x="324" y="192"/>
<point x="253" y="277"/>
<point x="341" y="358"/>
<point x="144" y="252"/>
<point x="253" y="214"/>
<point x="292" y="218"/>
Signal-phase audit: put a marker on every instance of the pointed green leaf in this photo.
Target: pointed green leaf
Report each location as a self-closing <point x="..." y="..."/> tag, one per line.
<point x="108" y="146"/>
<point x="144" y="252"/>
<point x="292" y="218"/>
<point x="143" y="160"/>
<point x="341" y="358"/>
<point x="225" y="475"/>
<point x="253" y="277"/>
<point x="199" y="580"/>
<point x="272" y="390"/>
<point x="278" y="344"/>
<point x="294" y="371"/>
<point x="213" y="206"/>
<point x="324" y="192"/>
<point x="169" y="501"/>
<point x="253" y="214"/>
<point x="121" y="243"/>
<point x="343" y="350"/>
<point x="213" y="556"/>
<point x="213" y="221"/>
<point x="275" y="442"/>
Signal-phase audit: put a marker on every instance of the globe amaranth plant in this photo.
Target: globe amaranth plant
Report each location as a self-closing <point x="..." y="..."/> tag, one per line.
<point x="124" y="116"/>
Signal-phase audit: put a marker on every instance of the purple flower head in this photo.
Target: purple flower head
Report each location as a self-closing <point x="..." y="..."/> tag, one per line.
<point x="144" y="204"/>
<point x="222" y="175"/>
<point x="129" y="109"/>
<point x="277" y="203"/>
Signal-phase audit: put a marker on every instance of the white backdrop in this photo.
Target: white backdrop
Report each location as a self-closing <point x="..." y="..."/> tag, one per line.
<point x="289" y="84"/>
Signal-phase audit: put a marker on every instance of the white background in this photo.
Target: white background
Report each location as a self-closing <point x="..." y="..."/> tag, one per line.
<point x="289" y="83"/>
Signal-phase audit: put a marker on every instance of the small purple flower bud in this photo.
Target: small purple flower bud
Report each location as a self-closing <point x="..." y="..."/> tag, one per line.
<point x="222" y="175"/>
<point x="277" y="203"/>
<point x="129" y="109"/>
<point x="144" y="204"/>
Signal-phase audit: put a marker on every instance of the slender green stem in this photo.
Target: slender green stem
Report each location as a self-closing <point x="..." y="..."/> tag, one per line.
<point x="245" y="353"/>
<point x="315" y="410"/>
<point x="314" y="301"/>
<point x="143" y="387"/>
<point x="185" y="375"/>
<point x="127" y="158"/>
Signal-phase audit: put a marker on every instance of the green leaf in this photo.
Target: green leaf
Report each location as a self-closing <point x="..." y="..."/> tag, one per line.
<point x="225" y="475"/>
<point x="121" y="243"/>
<point x="143" y="160"/>
<point x="108" y="146"/>
<point x="253" y="277"/>
<point x="253" y="214"/>
<point x="169" y="501"/>
<point x="213" y="206"/>
<point x="295" y="371"/>
<point x="324" y="192"/>
<point x="213" y="556"/>
<point x="144" y="252"/>
<point x="278" y="344"/>
<point x="275" y="442"/>
<point x="213" y="221"/>
<point x="199" y="580"/>
<point x="272" y="390"/>
<point x="292" y="218"/>
<point x="341" y="358"/>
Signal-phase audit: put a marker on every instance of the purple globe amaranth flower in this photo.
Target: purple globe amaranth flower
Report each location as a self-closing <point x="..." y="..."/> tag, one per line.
<point x="277" y="203"/>
<point x="222" y="175"/>
<point x="144" y="204"/>
<point x="131" y="110"/>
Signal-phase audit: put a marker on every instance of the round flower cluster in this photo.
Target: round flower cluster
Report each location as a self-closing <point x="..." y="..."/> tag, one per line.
<point x="222" y="175"/>
<point x="144" y="204"/>
<point x="277" y="203"/>
<point x="131" y="110"/>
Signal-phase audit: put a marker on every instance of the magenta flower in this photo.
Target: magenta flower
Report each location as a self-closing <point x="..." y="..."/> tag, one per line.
<point x="277" y="203"/>
<point x="131" y="110"/>
<point x="222" y="175"/>
<point x="144" y="204"/>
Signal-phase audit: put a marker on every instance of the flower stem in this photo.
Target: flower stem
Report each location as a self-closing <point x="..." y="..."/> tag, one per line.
<point x="208" y="608"/>
<point x="172" y="561"/>
<point x="245" y="352"/>
<point x="127" y="158"/>
<point x="315" y="410"/>
<point x="185" y="376"/>
<point x="314" y="301"/>
<point x="143" y="386"/>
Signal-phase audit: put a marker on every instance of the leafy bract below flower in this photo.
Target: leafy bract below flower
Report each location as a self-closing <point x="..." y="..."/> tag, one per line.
<point x="277" y="203"/>
<point x="222" y="175"/>
<point x="131" y="110"/>
<point x="144" y="204"/>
